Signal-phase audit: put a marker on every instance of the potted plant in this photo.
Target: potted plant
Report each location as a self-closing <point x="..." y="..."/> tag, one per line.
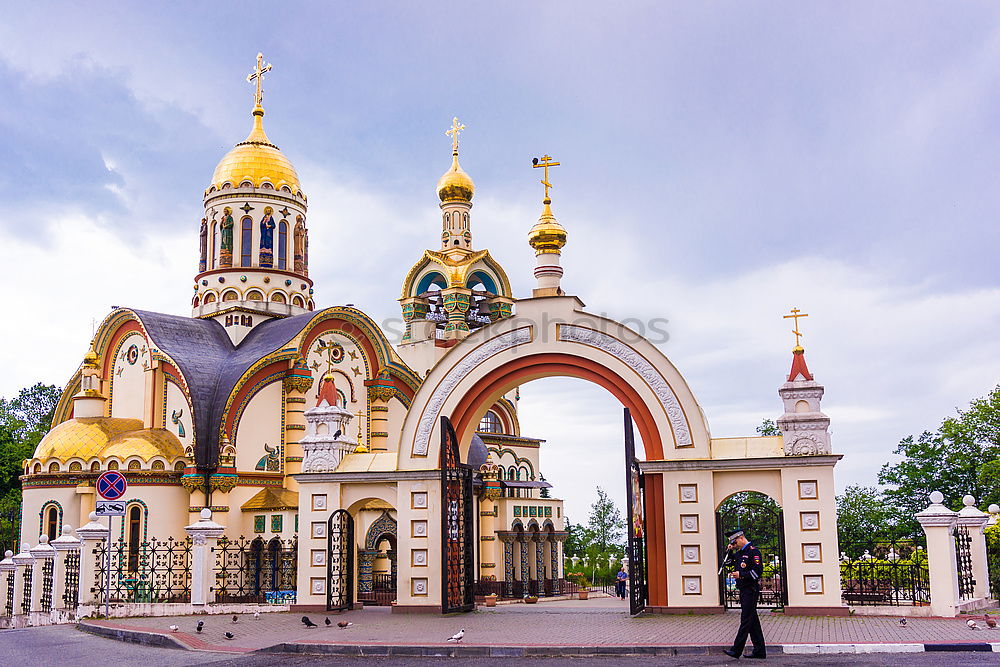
<point x="530" y="599"/>
<point x="491" y="600"/>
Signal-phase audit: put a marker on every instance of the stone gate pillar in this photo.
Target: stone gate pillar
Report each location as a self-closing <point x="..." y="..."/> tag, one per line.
<point x="92" y="535"/>
<point x="7" y="572"/>
<point x="938" y="523"/>
<point x="975" y="521"/>
<point x="204" y="536"/>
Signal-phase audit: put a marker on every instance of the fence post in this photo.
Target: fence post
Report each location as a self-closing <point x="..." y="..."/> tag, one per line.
<point x="938" y="523"/>
<point x="64" y="545"/>
<point x="91" y="535"/>
<point x="975" y="521"/>
<point x="43" y="553"/>
<point x="204" y="535"/>
<point x="24" y="561"/>
<point x="7" y="567"/>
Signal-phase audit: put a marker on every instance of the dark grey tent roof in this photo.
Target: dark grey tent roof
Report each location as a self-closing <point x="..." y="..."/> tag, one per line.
<point x="477" y="452"/>
<point x="212" y="365"/>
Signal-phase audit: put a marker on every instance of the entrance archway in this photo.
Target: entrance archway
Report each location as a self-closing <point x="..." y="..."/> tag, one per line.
<point x="762" y="519"/>
<point x="555" y="337"/>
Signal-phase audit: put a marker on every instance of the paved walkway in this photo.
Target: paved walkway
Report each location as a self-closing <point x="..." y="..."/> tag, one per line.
<point x="563" y="624"/>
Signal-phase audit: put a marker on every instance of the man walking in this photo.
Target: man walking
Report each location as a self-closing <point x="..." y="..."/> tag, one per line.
<point x="620" y="580"/>
<point x="749" y="569"/>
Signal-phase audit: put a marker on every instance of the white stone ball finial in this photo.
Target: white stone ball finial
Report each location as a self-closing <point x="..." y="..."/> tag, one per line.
<point x="92" y="516"/>
<point x="8" y="554"/>
<point x="968" y="500"/>
<point x="994" y="509"/>
<point x="25" y="547"/>
<point x="67" y="529"/>
<point x="43" y="539"/>
<point x="206" y="514"/>
<point x="937" y="497"/>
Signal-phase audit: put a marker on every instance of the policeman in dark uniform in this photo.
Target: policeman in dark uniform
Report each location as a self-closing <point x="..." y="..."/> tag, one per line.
<point x="749" y="567"/>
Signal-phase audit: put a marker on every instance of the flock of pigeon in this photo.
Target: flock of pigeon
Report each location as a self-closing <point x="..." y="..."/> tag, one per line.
<point x="306" y="621"/>
<point x="991" y="623"/>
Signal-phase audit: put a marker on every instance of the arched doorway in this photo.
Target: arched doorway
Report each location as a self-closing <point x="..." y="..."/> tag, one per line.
<point x="377" y="563"/>
<point x="762" y="520"/>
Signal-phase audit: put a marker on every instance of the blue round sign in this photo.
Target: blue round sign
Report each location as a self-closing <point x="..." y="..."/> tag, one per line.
<point x="111" y="485"/>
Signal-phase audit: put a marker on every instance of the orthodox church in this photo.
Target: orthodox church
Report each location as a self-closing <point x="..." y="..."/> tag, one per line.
<point x="231" y="407"/>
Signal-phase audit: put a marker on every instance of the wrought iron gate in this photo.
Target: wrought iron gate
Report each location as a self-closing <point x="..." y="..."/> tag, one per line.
<point x="764" y="526"/>
<point x="963" y="561"/>
<point x="457" y="530"/>
<point x="340" y="561"/>
<point x="636" y="523"/>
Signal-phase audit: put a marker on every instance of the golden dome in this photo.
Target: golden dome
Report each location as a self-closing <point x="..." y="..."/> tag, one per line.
<point x="90" y="359"/>
<point x="145" y="444"/>
<point x="455" y="184"/>
<point x="256" y="160"/>
<point x="547" y="235"/>
<point x="84" y="437"/>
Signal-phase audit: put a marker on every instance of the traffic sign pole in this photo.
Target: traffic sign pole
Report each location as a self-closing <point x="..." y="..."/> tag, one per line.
<point x="111" y="485"/>
<point x="107" y="589"/>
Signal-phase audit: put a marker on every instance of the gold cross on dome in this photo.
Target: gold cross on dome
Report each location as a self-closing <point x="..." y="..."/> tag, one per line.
<point x="545" y="162"/>
<point x="796" y="314"/>
<point x="456" y="127"/>
<point x="257" y="77"/>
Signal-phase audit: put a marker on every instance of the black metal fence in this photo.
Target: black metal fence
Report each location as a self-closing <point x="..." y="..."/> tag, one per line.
<point x="149" y="571"/>
<point x="517" y="590"/>
<point x="71" y="592"/>
<point x="10" y="594"/>
<point x="963" y="562"/>
<point x="26" y="598"/>
<point x="45" y="603"/>
<point x="255" y="570"/>
<point x="885" y="573"/>
<point x="383" y="592"/>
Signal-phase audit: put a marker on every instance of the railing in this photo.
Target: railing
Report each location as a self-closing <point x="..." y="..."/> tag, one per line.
<point x="255" y="570"/>
<point x="10" y="594"/>
<point x="46" y="600"/>
<point x="963" y="562"/>
<point x="71" y="593"/>
<point x="26" y="598"/>
<point x="890" y="573"/>
<point x="383" y="592"/>
<point x="152" y="571"/>
<point x="517" y="590"/>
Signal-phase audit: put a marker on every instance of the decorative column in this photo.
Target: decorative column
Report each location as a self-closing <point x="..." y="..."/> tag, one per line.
<point x="23" y="584"/>
<point x="366" y="563"/>
<point x="380" y="392"/>
<point x="93" y="536"/>
<point x="297" y="383"/>
<point x="66" y="584"/>
<point x="525" y="563"/>
<point x="204" y="536"/>
<point x="42" y="575"/>
<point x="508" y="563"/>
<point x="975" y="522"/>
<point x="938" y="523"/>
<point x="500" y="307"/>
<point x="7" y="573"/>
<point x="456" y="301"/>
<point x="539" y="563"/>
<point x="415" y="311"/>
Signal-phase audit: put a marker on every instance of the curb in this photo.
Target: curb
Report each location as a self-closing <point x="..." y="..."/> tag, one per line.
<point x="473" y="651"/>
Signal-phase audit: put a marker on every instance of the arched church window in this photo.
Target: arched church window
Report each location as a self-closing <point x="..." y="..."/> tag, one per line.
<point x="38" y="468"/>
<point x="53" y="467"/>
<point x="52" y="522"/>
<point x="213" y="251"/>
<point x="157" y="465"/>
<point x="179" y="465"/>
<point x="134" y="535"/>
<point x="230" y="296"/>
<point x="75" y="466"/>
<point x="278" y="297"/>
<point x="209" y="298"/>
<point x="95" y="466"/>
<point x="246" y="241"/>
<point x="312" y="305"/>
<point x="297" y="301"/>
<point x="254" y="295"/>
<point x="282" y="244"/>
<point x="134" y="465"/>
<point x="490" y="423"/>
<point x="112" y="465"/>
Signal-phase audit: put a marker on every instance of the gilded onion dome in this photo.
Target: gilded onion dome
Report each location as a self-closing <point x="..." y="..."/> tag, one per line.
<point x="547" y="235"/>
<point x="83" y="437"/>
<point x="90" y="359"/>
<point x="257" y="160"/>
<point x="455" y="184"/>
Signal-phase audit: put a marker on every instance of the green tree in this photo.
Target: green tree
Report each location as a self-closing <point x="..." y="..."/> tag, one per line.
<point x="768" y="427"/>
<point x="605" y="523"/>
<point x="959" y="458"/>
<point x="863" y="515"/>
<point x="24" y="421"/>
<point x="578" y="539"/>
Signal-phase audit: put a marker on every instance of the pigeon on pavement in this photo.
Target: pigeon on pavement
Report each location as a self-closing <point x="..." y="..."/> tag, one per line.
<point x="174" y="628"/>
<point x="344" y="624"/>
<point x="230" y="635"/>
<point x="328" y="622"/>
<point x="308" y="623"/>
<point x="201" y="625"/>
<point x="256" y="616"/>
<point x="457" y="637"/>
<point x="236" y="619"/>
<point x="902" y="622"/>
<point x="972" y="625"/>
<point x="991" y="622"/>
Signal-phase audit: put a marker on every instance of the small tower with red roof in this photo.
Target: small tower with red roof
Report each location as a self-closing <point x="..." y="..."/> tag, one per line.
<point x="805" y="430"/>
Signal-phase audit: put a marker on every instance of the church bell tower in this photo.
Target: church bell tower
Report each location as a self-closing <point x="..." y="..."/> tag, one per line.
<point x="254" y="244"/>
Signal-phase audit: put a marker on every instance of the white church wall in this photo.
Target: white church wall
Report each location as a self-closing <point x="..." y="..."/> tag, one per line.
<point x="128" y="377"/>
<point x="260" y="424"/>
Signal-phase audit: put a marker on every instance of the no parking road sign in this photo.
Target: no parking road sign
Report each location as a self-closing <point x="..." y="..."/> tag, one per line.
<point x="111" y="485"/>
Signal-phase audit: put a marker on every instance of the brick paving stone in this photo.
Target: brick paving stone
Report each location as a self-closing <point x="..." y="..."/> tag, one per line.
<point x="545" y="625"/>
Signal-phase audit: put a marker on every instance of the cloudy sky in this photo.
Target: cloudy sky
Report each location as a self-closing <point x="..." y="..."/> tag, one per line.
<point x="722" y="162"/>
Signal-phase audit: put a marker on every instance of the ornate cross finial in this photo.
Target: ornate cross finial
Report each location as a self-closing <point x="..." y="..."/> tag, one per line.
<point x="456" y="127"/>
<point x="796" y="314"/>
<point x="545" y="162"/>
<point x="257" y="76"/>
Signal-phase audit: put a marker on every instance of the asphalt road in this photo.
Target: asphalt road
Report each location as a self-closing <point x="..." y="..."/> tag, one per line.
<point x="64" y="645"/>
